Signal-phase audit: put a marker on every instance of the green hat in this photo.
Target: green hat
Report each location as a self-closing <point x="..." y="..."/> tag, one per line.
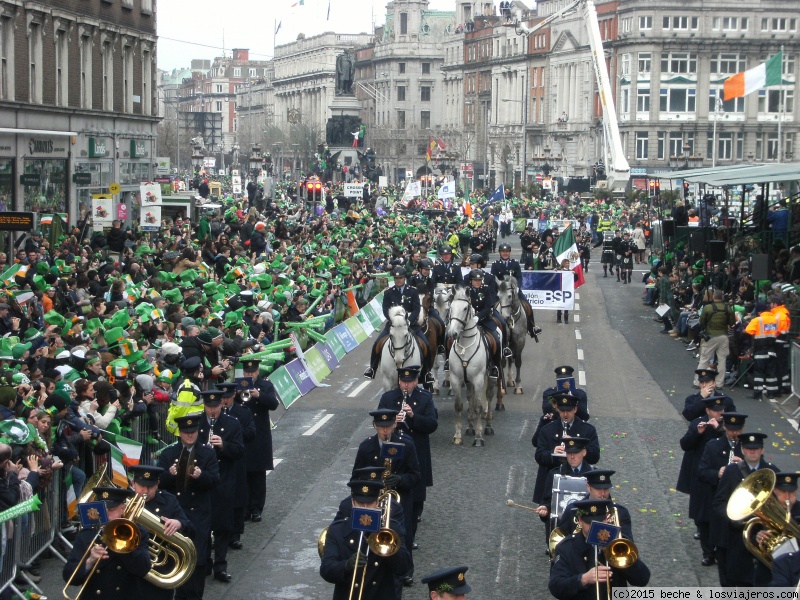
<point x="54" y="318"/>
<point x="132" y="359"/>
<point x="20" y="349"/>
<point x="39" y="283"/>
<point x="168" y="375"/>
<point x="93" y="325"/>
<point x="120" y="319"/>
<point x="344" y="270"/>
<point x="165" y="277"/>
<point x="233" y="317"/>
<point x="114" y="335"/>
<point x="31" y="334"/>
<point x="188" y="276"/>
<point x="142" y="366"/>
<point x="699" y="266"/>
<point x="118" y="368"/>
<point x="42" y="268"/>
<point x="15" y="431"/>
<point x="698" y="280"/>
<point x="175" y="296"/>
<point x="6" y="349"/>
<point x="143" y="310"/>
<point x="210" y="288"/>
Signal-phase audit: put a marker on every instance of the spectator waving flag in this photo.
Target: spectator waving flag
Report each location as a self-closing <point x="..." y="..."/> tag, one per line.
<point x="499" y="194"/>
<point x="566" y="249"/>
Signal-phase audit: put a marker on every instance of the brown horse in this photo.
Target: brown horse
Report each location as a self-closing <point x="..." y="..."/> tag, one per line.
<point x="434" y="333"/>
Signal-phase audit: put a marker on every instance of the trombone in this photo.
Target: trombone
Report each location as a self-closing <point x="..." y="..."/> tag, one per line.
<point x="621" y="553"/>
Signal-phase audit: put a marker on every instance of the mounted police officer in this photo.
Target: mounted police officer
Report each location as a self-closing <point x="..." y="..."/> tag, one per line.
<point x="507" y="265"/>
<point x="476" y="261"/>
<point x="483" y="300"/>
<point x="423" y="281"/>
<point x="446" y="270"/>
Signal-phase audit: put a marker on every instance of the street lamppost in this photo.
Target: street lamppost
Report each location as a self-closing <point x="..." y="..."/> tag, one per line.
<point x="524" y="170"/>
<point x="197" y="159"/>
<point x="255" y="161"/>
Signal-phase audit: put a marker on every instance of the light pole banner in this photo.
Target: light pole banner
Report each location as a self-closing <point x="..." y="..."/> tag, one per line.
<point x="549" y="290"/>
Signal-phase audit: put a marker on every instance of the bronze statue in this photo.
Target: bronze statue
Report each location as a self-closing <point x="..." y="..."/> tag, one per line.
<point x="345" y="69"/>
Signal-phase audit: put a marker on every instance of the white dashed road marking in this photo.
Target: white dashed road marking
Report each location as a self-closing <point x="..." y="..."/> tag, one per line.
<point x="312" y="430"/>
<point x="357" y="391"/>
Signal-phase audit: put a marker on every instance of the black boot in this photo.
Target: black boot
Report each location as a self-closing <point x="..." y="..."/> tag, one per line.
<point x="566" y="317"/>
<point x="558" y="318"/>
<point x="369" y="373"/>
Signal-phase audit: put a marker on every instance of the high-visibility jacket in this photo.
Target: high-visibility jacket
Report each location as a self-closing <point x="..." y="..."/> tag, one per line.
<point x="187" y="401"/>
<point x="605" y="225"/>
<point x="784" y="322"/>
<point x="764" y="330"/>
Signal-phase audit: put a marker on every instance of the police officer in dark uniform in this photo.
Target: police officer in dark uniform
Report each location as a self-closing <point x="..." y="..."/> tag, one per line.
<point x="574" y="574"/>
<point x="448" y="583"/>
<point x="345" y="551"/>
<point x="736" y="564"/>
<point x="191" y="471"/>
<point x="417" y="416"/>
<point x="423" y="281"/>
<point x="598" y="484"/>
<point x="164" y="506"/>
<point x="483" y="300"/>
<point x="245" y="418"/>
<point x="224" y="434"/>
<point x="627" y="249"/>
<point x="694" y="405"/>
<point x="406" y="296"/>
<point x="717" y="454"/>
<point x="786" y="570"/>
<point x="405" y="474"/>
<point x="507" y="265"/>
<point x="446" y="271"/>
<point x="563" y="385"/>
<point x="476" y="261"/>
<point x="550" y="446"/>
<point x="258" y="452"/>
<point x="117" y="575"/>
<point x="785" y="492"/>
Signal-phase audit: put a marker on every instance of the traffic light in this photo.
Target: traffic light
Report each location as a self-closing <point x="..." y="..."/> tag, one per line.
<point x="652" y="188"/>
<point x="314" y="190"/>
<point x="658" y="189"/>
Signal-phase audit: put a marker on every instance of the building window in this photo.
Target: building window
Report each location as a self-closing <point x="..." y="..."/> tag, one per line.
<point x="679" y="62"/>
<point x="425" y="93"/>
<point x="643" y="100"/>
<point x="252" y="72"/>
<point x="401" y="119"/>
<point x="678" y="100"/>
<point x="403" y="23"/>
<point x="727" y="64"/>
<point x="6" y="58"/>
<point x="62" y="68"/>
<point x="426" y="68"/>
<point x="641" y="145"/>
<point x="662" y="145"/>
<point x="219" y="106"/>
<point x="147" y="75"/>
<point x="425" y="119"/>
<point x="626" y="25"/>
<point x="770" y="101"/>
<point x="86" y="71"/>
<point x="147" y="7"/>
<point x="724" y="146"/>
<point x="680" y="23"/>
<point x="108" y="77"/>
<point x="645" y="23"/>
<point x="626" y="100"/>
<point x="219" y="88"/>
<point x="401" y="68"/>
<point x="127" y="79"/>
<point x="626" y="65"/>
<point x="35" y="64"/>
<point x="237" y="71"/>
<point x="645" y="60"/>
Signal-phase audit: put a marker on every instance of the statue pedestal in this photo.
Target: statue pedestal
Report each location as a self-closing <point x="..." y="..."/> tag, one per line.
<point x="345" y="106"/>
<point x="343" y="122"/>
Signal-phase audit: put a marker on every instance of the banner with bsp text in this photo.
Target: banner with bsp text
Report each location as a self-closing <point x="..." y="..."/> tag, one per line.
<point x="549" y="290"/>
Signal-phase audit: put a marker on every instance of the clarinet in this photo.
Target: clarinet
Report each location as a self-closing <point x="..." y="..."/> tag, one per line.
<point x="212" y="421"/>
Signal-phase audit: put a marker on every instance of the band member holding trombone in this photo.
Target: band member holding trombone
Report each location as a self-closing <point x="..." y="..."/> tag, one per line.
<point x="598" y="484"/>
<point x="575" y="573"/>
<point x="117" y="575"/>
<point x="348" y="561"/>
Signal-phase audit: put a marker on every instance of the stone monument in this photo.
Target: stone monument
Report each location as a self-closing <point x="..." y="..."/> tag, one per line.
<point x="345" y="122"/>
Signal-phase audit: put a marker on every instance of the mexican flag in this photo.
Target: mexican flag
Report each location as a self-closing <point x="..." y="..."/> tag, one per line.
<point x="72" y="500"/>
<point x="566" y="249"/>
<point x="119" y="476"/>
<point x="131" y="450"/>
<point x="747" y="82"/>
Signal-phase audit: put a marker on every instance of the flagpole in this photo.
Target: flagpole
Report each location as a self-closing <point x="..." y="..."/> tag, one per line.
<point x="782" y="92"/>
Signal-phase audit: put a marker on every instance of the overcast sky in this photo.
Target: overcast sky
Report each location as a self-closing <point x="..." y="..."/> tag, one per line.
<point x="203" y="27"/>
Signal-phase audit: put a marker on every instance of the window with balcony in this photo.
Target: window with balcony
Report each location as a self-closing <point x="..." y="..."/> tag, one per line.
<point x="645" y="60"/>
<point x="641" y="145"/>
<point x="645" y="22"/>
<point x="678" y="100"/>
<point x="425" y="93"/>
<point x="679" y="62"/>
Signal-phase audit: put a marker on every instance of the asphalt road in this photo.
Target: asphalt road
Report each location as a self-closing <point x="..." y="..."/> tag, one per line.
<point x="636" y="379"/>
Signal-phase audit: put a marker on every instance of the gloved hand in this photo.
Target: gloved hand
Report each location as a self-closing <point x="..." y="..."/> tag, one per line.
<point x="476" y="319"/>
<point x="393" y="480"/>
<point x="357" y="560"/>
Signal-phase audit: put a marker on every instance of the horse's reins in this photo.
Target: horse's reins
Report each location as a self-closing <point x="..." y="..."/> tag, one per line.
<point x="407" y="346"/>
<point x="465" y="328"/>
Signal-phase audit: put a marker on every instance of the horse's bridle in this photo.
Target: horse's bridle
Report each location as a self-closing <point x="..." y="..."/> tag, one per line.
<point x="466" y="327"/>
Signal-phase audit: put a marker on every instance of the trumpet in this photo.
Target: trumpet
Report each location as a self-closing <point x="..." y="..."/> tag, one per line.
<point x="245" y="395"/>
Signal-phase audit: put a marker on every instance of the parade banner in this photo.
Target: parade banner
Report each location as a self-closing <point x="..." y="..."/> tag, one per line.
<point x="549" y="290"/>
<point x="328" y="355"/>
<point x="287" y="389"/>
<point x="356" y="329"/>
<point x="345" y="337"/>
<point x="300" y="376"/>
<point x="363" y="318"/>
<point x="316" y="364"/>
<point x="375" y="315"/>
<point x="336" y="345"/>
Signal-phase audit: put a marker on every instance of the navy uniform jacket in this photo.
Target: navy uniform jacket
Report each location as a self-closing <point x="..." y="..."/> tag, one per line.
<point x="194" y="495"/>
<point x="501" y="267"/>
<point x="716" y="455"/>
<point x="583" y="401"/>
<point x="425" y="284"/>
<point x="245" y="418"/>
<point x="449" y="273"/>
<point x="563" y="469"/>
<point x="409" y="300"/>
<point x="117" y="576"/>
<point x="694" y="407"/>
<point x="786" y="570"/>
<point x="483" y="300"/>
<point x="424" y="422"/>
<point x="740" y="563"/>
<point x="693" y="443"/>
<point x="224" y="495"/>
<point x="550" y="436"/>
<point x="567" y="521"/>
<point x="259" y="450"/>
<point x="166" y="505"/>
<point x="576" y="557"/>
<point x="342" y="542"/>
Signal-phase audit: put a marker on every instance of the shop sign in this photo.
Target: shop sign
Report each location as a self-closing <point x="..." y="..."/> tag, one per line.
<point x="97" y="148"/>
<point x="82" y="178"/>
<point x="30" y="179"/>
<point x="44" y="146"/>
<point x="138" y="149"/>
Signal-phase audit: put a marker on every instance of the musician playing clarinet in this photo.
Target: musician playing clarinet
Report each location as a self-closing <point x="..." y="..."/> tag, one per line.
<point x="416" y="416"/>
<point x="191" y="472"/>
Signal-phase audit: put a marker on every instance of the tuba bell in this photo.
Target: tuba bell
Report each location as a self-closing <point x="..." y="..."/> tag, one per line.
<point x="753" y="500"/>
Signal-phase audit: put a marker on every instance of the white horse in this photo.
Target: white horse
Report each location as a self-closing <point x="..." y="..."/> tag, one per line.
<point x="510" y="307"/>
<point x="401" y="349"/>
<point x="469" y="365"/>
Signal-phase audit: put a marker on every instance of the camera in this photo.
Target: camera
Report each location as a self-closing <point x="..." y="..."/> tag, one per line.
<point x="704" y="335"/>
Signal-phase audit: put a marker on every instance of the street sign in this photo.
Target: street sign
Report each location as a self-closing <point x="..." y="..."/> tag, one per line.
<point x="16" y="221"/>
<point x="114" y="188"/>
<point x="539" y="177"/>
<point x="409" y="173"/>
<point x="638" y="171"/>
<point x="353" y="190"/>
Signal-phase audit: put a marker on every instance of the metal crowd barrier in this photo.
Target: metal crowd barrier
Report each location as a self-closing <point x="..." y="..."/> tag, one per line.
<point x="10" y="548"/>
<point x="794" y="363"/>
<point x="152" y="440"/>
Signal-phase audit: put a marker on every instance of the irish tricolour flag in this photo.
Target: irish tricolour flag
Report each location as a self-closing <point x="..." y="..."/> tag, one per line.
<point x="747" y="82"/>
<point x="566" y="249"/>
<point x="119" y="475"/>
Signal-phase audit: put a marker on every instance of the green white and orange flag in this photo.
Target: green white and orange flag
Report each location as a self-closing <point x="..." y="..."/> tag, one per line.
<point x="131" y="450"/>
<point x="118" y="473"/>
<point x="72" y="499"/>
<point x="747" y="82"/>
<point x="12" y="271"/>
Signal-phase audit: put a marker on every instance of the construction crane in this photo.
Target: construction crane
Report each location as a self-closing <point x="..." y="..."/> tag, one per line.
<point x="618" y="171"/>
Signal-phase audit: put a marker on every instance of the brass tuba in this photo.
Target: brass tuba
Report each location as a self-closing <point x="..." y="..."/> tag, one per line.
<point x="753" y="499"/>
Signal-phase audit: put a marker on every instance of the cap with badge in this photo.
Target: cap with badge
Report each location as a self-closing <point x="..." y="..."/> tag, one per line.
<point x="564" y="371"/>
<point x="752" y="440"/>
<point x="146" y="475"/>
<point x="383" y="416"/>
<point x="566" y="401"/>
<point x="212" y="397"/>
<point x="250" y="364"/>
<point x="599" y="479"/>
<point x="228" y="388"/>
<point x="398" y="272"/>
<point x="188" y="423"/>
<point x="451" y="580"/>
<point x="704" y="375"/>
<point x="593" y="509"/>
<point x="733" y="420"/>
<point x="715" y="402"/>
<point x="786" y="481"/>
<point x="113" y="496"/>
<point x="365" y="490"/>
<point x="408" y="373"/>
<point x="577" y="444"/>
<point x="368" y="474"/>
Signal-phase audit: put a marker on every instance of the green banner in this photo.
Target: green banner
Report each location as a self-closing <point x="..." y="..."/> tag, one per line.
<point x="285" y="386"/>
<point x="366" y="324"/>
<point x="356" y="329"/>
<point x="316" y="364"/>
<point x="376" y="318"/>
<point x="333" y="341"/>
<point x="30" y="505"/>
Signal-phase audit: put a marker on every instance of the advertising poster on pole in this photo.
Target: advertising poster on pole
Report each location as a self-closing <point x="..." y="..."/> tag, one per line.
<point x="150" y="194"/>
<point x="102" y="206"/>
